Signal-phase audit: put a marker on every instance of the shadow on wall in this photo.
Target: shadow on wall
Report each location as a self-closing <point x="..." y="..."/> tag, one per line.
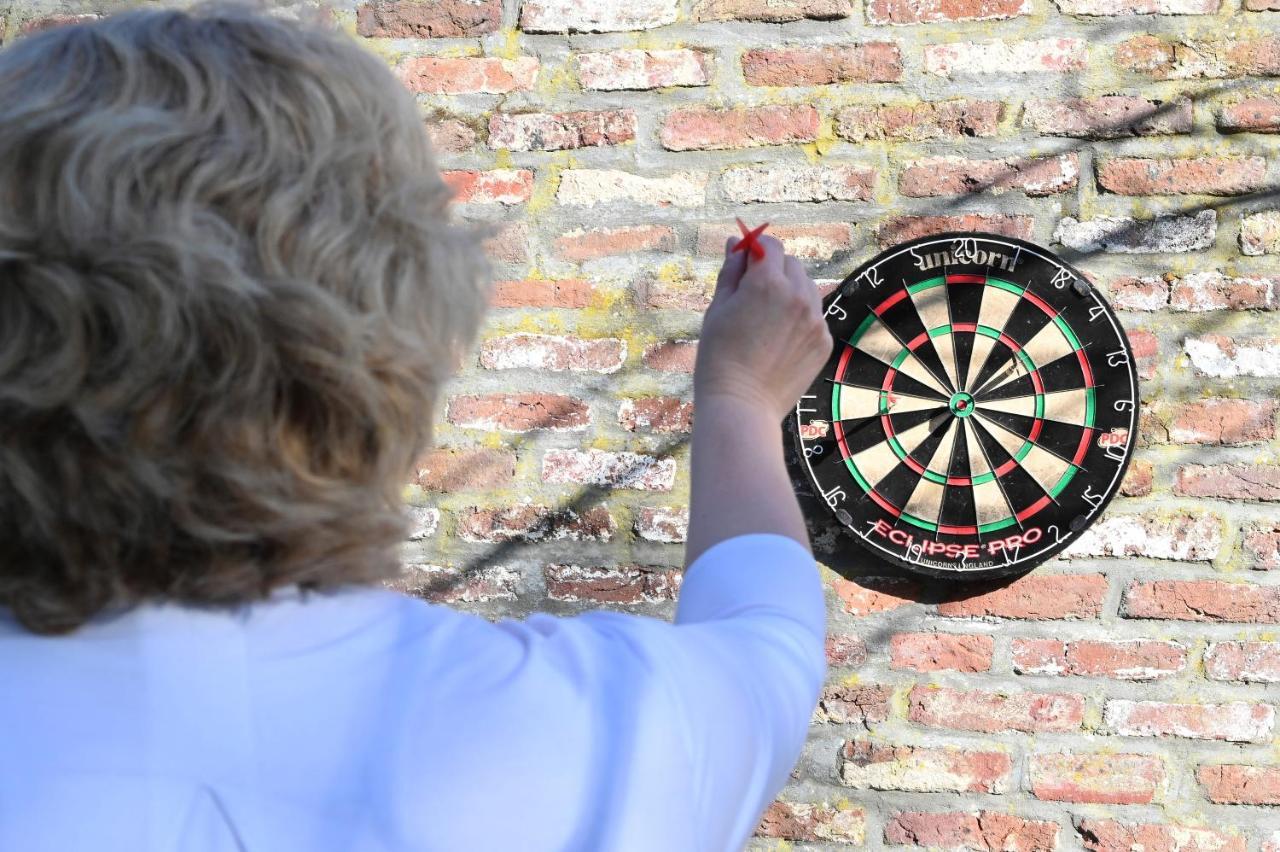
<point x="833" y="545"/>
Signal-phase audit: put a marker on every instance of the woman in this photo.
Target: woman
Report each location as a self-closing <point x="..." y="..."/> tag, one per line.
<point x="230" y="295"/>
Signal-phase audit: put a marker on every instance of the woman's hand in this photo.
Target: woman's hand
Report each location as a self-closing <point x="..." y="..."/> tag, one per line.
<point x="764" y="338"/>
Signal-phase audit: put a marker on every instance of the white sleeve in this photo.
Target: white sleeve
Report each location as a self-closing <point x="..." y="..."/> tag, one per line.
<point x="741" y="669"/>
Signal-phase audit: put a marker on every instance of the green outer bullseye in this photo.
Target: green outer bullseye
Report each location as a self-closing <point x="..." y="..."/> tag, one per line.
<point x="961" y="404"/>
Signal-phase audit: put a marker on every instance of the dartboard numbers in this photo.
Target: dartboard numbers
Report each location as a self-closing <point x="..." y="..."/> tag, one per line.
<point x="976" y="411"/>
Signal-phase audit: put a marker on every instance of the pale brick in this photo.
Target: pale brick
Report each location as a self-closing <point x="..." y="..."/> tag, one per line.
<point x="589" y="187"/>
<point x="554" y="353"/>
<point x="1005" y="57"/>
<point x="595" y="16"/>
<point x="661" y="414"/>
<point x="644" y="69"/>
<point x="1143" y="293"/>
<point x="1248" y="662"/>
<point x="589" y="244"/>
<point x="450" y="585"/>
<point x="772" y="11"/>
<point x="558" y="131"/>
<point x="918" y="122"/>
<point x="801" y="821"/>
<point x="1228" y="357"/>
<point x="1213" y="291"/>
<point x="1235" y="721"/>
<point x="451" y="135"/>
<point x="423" y="522"/>
<point x="1262" y="547"/>
<point x="1186" y="538"/>
<point x="932" y="11"/>
<point x="796" y="182"/>
<point x="1260" y="233"/>
<point x="627" y="584"/>
<point x="1034" y="176"/>
<point x="1137" y="7"/>
<point x="1126" y="235"/>
<point x="1107" y="116"/>
<point x="612" y="469"/>
<point x="922" y="769"/>
<point x="1105" y="779"/>
<point x="820" y="241"/>
<point x="534" y="523"/>
<point x="859" y="704"/>
<point x="1229" y="481"/>
<point x="666" y="524"/>
<point x="993" y="712"/>
<point x="1182" y="59"/>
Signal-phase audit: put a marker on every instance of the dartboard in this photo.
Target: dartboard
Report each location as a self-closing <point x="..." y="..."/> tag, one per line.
<point x="975" y="415"/>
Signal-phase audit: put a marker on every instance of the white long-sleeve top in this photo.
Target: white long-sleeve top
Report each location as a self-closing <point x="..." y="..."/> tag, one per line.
<point x="363" y="719"/>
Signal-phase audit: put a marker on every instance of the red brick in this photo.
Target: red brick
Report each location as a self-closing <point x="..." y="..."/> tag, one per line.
<point x="663" y="414"/>
<point x="1034" y="176"/>
<point x="1203" y="600"/>
<point x="1182" y="59"/>
<point x="1146" y="351"/>
<point x="500" y="186"/>
<point x="1105" y="835"/>
<point x="818" y="241"/>
<point x="708" y="128"/>
<point x="1182" y="176"/>
<point x="772" y="11"/>
<point x="1107" y="116"/>
<point x="1260" y="114"/>
<point x="1103" y="779"/>
<point x="451" y="135"/>
<point x="1224" y="421"/>
<point x="543" y="293"/>
<point x="932" y="11"/>
<point x="558" y="131"/>
<point x="459" y="469"/>
<point x="993" y="712"/>
<point x="1138" y="479"/>
<point x="871" y="595"/>
<point x="534" y="523"/>
<point x="983" y="831"/>
<point x="931" y="652"/>
<point x="439" y="19"/>
<point x="625" y="584"/>
<point x="667" y="524"/>
<point x="439" y="75"/>
<point x="672" y="356"/>
<point x="872" y="62"/>
<point x="449" y="585"/>
<point x="1229" y="481"/>
<point x="1212" y="291"/>
<point x="872" y="766"/>
<point x="897" y="229"/>
<point x="1248" y="662"/>
<point x="617" y="70"/>
<point x="553" y="353"/>
<point x="861" y="704"/>
<point x="844" y="650"/>
<point x="518" y="412"/>
<point x="1136" y="659"/>
<point x="611" y="469"/>
<point x="605" y="242"/>
<point x="510" y="244"/>
<point x="1235" y="721"/>
<point x="1237" y="784"/>
<point x="800" y="821"/>
<point x="1139" y="293"/>
<point x="918" y="122"/>
<point x="1262" y="546"/>
<point x="1262" y="5"/>
<point x="1034" y="596"/>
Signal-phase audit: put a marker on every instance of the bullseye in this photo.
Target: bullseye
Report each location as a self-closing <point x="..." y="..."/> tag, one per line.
<point x="961" y="404"/>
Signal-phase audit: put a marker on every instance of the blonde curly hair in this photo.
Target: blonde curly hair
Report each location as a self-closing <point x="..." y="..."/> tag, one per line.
<point x="229" y="294"/>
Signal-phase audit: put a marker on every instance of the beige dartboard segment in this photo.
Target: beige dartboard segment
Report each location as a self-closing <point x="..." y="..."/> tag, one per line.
<point x="1024" y="405"/>
<point x="859" y="402"/>
<point x="990" y="502"/>
<point x="1048" y="345"/>
<point x="1069" y="406"/>
<point x="977" y="458"/>
<point x="878" y="342"/>
<point x="931" y="304"/>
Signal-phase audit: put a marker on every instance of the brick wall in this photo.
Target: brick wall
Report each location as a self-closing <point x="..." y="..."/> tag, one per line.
<point x="1122" y="697"/>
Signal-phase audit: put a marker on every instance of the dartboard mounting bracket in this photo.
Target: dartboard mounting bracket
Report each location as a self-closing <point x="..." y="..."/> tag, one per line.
<point x="976" y="412"/>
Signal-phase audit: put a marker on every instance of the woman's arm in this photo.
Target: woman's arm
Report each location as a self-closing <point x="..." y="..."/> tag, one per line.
<point x="763" y="341"/>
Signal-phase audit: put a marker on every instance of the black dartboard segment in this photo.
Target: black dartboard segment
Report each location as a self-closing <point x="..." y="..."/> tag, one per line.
<point x="975" y="415"/>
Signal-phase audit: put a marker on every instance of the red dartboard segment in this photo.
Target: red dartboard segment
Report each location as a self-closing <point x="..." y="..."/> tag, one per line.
<point x="982" y="329"/>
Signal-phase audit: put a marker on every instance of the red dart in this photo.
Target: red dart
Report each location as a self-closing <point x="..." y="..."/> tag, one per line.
<point x="749" y="237"/>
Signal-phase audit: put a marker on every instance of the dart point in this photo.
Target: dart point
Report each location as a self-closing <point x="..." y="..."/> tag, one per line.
<point x="749" y="237"/>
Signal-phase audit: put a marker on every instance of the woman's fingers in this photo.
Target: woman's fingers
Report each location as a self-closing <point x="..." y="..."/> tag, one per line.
<point x="735" y="264"/>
